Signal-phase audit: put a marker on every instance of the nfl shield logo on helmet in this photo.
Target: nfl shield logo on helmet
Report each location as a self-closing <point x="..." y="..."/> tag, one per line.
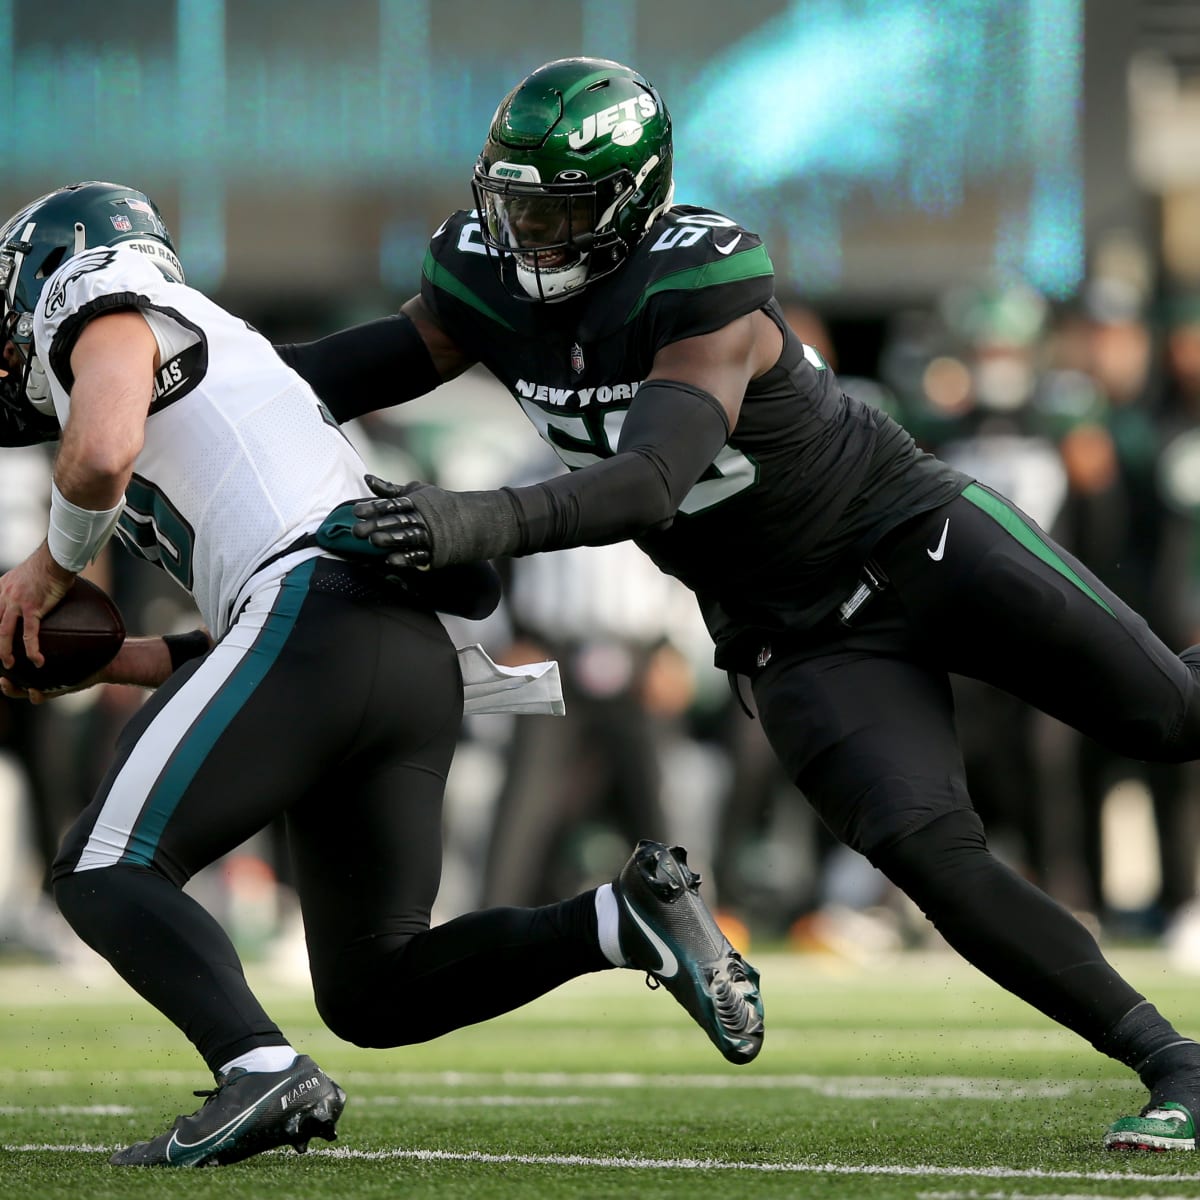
<point x="577" y="358"/>
<point x="121" y="223"/>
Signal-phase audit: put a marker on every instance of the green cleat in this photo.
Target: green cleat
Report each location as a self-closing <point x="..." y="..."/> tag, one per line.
<point x="1165" y="1126"/>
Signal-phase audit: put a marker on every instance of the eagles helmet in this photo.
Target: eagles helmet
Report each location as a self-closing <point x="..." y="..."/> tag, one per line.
<point x="34" y="242"/>
<point x="576" y="167"/>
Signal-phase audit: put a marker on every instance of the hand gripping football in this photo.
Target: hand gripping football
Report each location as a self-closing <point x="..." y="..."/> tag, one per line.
<point x="81" y="634"/>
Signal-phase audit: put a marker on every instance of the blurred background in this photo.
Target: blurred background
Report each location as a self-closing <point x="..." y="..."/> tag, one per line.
<point x="985" y="213"/>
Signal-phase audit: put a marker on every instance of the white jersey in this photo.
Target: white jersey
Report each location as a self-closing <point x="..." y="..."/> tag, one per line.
<point x="240" y="460"/>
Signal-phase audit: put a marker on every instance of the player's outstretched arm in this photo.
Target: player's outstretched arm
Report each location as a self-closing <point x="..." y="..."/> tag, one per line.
<point x="676" y="426"/>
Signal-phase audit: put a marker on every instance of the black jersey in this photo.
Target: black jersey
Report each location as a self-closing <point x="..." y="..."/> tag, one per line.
<point x="772" y="536"/>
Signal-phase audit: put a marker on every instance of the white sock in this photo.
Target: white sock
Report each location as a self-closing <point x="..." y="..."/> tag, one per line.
<point x="263" y="1058"/>
<point x="607" y="921"/>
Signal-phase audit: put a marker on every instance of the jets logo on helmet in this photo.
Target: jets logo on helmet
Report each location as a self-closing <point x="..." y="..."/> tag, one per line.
<point x="34" y="243"/>
<point x="576" y="167"/>
<point x="622" y="122"/>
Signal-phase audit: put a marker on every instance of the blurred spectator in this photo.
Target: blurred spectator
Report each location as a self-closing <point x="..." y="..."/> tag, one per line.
<point x="1106" y="399"/>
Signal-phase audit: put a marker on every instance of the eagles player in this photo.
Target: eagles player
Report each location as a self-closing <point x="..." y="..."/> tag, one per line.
<point x="842" y="570"/>
<point x="329" y="691"/>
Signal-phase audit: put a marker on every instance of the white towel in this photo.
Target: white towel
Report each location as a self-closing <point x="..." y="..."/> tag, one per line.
<point x="490" y="688"/>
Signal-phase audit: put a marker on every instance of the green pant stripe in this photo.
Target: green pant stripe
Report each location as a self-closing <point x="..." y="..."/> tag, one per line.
<point x="225" y="705"/>
<point x="1015" y="524"/>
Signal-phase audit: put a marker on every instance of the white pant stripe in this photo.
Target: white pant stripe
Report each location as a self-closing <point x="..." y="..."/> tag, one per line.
<point x="137" y="777"/>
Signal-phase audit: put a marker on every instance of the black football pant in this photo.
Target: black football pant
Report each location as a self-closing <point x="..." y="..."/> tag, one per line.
<point x="863" y="721"/>
<point x="333" y="705"/>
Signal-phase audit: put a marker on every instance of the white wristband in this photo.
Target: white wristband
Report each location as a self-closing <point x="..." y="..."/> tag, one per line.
<point x="77" y="534"/>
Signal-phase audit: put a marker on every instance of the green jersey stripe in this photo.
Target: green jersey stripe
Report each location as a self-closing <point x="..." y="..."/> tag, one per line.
<point x="1018" y="527"/>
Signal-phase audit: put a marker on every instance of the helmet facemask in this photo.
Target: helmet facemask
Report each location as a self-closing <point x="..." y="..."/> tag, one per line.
<point x="23" y="386"/>
<point x="555" y="224"/>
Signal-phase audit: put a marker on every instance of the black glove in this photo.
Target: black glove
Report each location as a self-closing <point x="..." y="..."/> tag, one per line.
<point x="393" y="523"/>
<point x="424" y="526"/>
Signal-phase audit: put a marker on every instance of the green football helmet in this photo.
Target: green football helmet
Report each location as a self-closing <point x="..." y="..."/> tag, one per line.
<point x="576" y="167"/>
<point x="34" y="243"/>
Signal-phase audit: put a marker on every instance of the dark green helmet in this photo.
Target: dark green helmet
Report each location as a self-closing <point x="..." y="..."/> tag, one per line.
<point x="576" y="167"/>
<point x="34" y="242"/>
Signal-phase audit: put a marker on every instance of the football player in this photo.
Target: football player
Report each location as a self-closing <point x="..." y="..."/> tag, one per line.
<point x="328" y="691"/>
<point x="839" y="568"/>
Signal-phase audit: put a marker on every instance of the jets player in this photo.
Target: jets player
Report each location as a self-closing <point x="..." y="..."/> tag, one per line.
<point x="329" y="691"/>
<point x="839" y="568"/>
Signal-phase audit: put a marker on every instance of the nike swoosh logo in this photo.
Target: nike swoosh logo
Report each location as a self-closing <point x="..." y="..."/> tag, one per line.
<point x="193" y="1150"/>
<point x="670" y="965"/>
<point x="728" y="247"/>
<point x="937" y="554"/>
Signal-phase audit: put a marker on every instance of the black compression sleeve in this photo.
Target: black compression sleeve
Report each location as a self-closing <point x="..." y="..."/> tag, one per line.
<point x="671" y="435"/>
<point x="374" y="365"/>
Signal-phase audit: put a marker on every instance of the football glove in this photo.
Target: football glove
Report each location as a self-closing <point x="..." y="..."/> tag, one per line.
<point x="424" y="526"/>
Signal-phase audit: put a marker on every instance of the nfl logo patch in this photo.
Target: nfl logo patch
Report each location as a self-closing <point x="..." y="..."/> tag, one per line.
<point x="577" y="358"/>
<point x="121" y="223"/>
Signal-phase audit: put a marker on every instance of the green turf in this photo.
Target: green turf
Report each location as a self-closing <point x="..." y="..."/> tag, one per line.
<point x="918" y="1079"/>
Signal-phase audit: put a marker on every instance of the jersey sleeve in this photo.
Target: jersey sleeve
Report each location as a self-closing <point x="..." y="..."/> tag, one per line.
<point x="86" y="286"/>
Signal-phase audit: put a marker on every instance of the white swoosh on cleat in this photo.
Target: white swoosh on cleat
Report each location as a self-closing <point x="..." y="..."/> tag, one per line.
<point x="670" y="965"/>
<point x="213" y="1140"/>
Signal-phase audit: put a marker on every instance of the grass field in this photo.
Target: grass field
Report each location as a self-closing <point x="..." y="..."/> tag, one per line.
<point x="917" y="1080"/>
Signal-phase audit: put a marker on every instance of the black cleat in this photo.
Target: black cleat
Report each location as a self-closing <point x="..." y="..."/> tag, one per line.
<point x="247" y="1113"/>
<point x="667" y="931"/>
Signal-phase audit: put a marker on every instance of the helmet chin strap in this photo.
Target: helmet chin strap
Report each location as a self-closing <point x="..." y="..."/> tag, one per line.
<point x="37" y="389"/>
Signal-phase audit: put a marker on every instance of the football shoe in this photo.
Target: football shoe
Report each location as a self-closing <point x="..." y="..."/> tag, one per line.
<point x="1161" y="1126"/>
<point x="666" y="930"/>
<point x="246" y="1113"/>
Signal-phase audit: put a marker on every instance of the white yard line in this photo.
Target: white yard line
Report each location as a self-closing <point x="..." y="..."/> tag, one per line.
<point x="710" y="1164"/>
<point x="846" y="1087"/>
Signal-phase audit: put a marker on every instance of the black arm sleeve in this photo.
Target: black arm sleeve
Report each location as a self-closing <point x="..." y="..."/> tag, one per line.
<point x="374" y="365"/>
<point x="671" y="435"/>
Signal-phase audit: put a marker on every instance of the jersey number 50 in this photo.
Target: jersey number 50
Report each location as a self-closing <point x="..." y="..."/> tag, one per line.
<point x="573" y="440"/>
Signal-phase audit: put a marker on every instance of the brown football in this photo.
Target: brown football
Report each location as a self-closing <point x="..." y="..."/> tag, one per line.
<point x="81" y="634"/>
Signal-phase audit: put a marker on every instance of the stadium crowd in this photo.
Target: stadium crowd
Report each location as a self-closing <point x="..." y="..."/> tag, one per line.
<point x="1086" y="414"/>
